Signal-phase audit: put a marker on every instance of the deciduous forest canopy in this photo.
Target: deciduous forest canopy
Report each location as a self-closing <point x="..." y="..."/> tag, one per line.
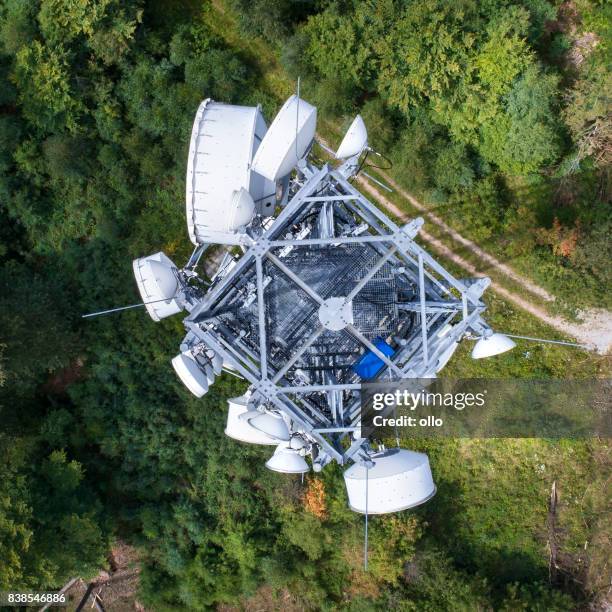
<point x="495" y="111"/>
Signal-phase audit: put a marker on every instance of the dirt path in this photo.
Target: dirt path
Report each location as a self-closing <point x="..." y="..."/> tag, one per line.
<point x="595" y="330"/>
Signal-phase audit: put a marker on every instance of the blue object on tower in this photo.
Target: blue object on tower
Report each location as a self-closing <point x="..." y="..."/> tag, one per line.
<point x="370" y="364"/>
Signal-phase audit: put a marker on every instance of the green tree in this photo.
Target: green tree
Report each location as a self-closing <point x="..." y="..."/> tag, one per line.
<point x="17" y="25"/>
<point x="34" y="312"/>
<point x="45" y="92"/>
<point x="15" y="514"/>
<point x="527" y="135"/>
<point x="424" y="53"/>
<point x="587" y="113"/>
<point x="63" y="20"/>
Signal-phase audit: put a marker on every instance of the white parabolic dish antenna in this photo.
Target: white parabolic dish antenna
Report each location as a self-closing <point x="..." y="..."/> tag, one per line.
<point x="355" y="140"/>
<point x="398" y="480"/>
<point x="272" y="425"/>
<point x="287" y="140"/>
<point x="191" y="374"/>
<point x="287" y="461"/>
<point x="224" y="139"/>
<point x="158" y="285"/>
<point x="239" y="429"/>
<point x="495" y="344"/>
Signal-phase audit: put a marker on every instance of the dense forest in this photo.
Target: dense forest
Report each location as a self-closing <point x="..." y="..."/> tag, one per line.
<point x="495" y="112"/>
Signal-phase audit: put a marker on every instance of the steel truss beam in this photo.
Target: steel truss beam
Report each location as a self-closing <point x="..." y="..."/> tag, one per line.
<point x="396" y="246"/>
<point x="333" y="241"/>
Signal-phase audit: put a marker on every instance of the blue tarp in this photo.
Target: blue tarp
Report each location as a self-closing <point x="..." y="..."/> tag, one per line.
<point x="369" y="365"/>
